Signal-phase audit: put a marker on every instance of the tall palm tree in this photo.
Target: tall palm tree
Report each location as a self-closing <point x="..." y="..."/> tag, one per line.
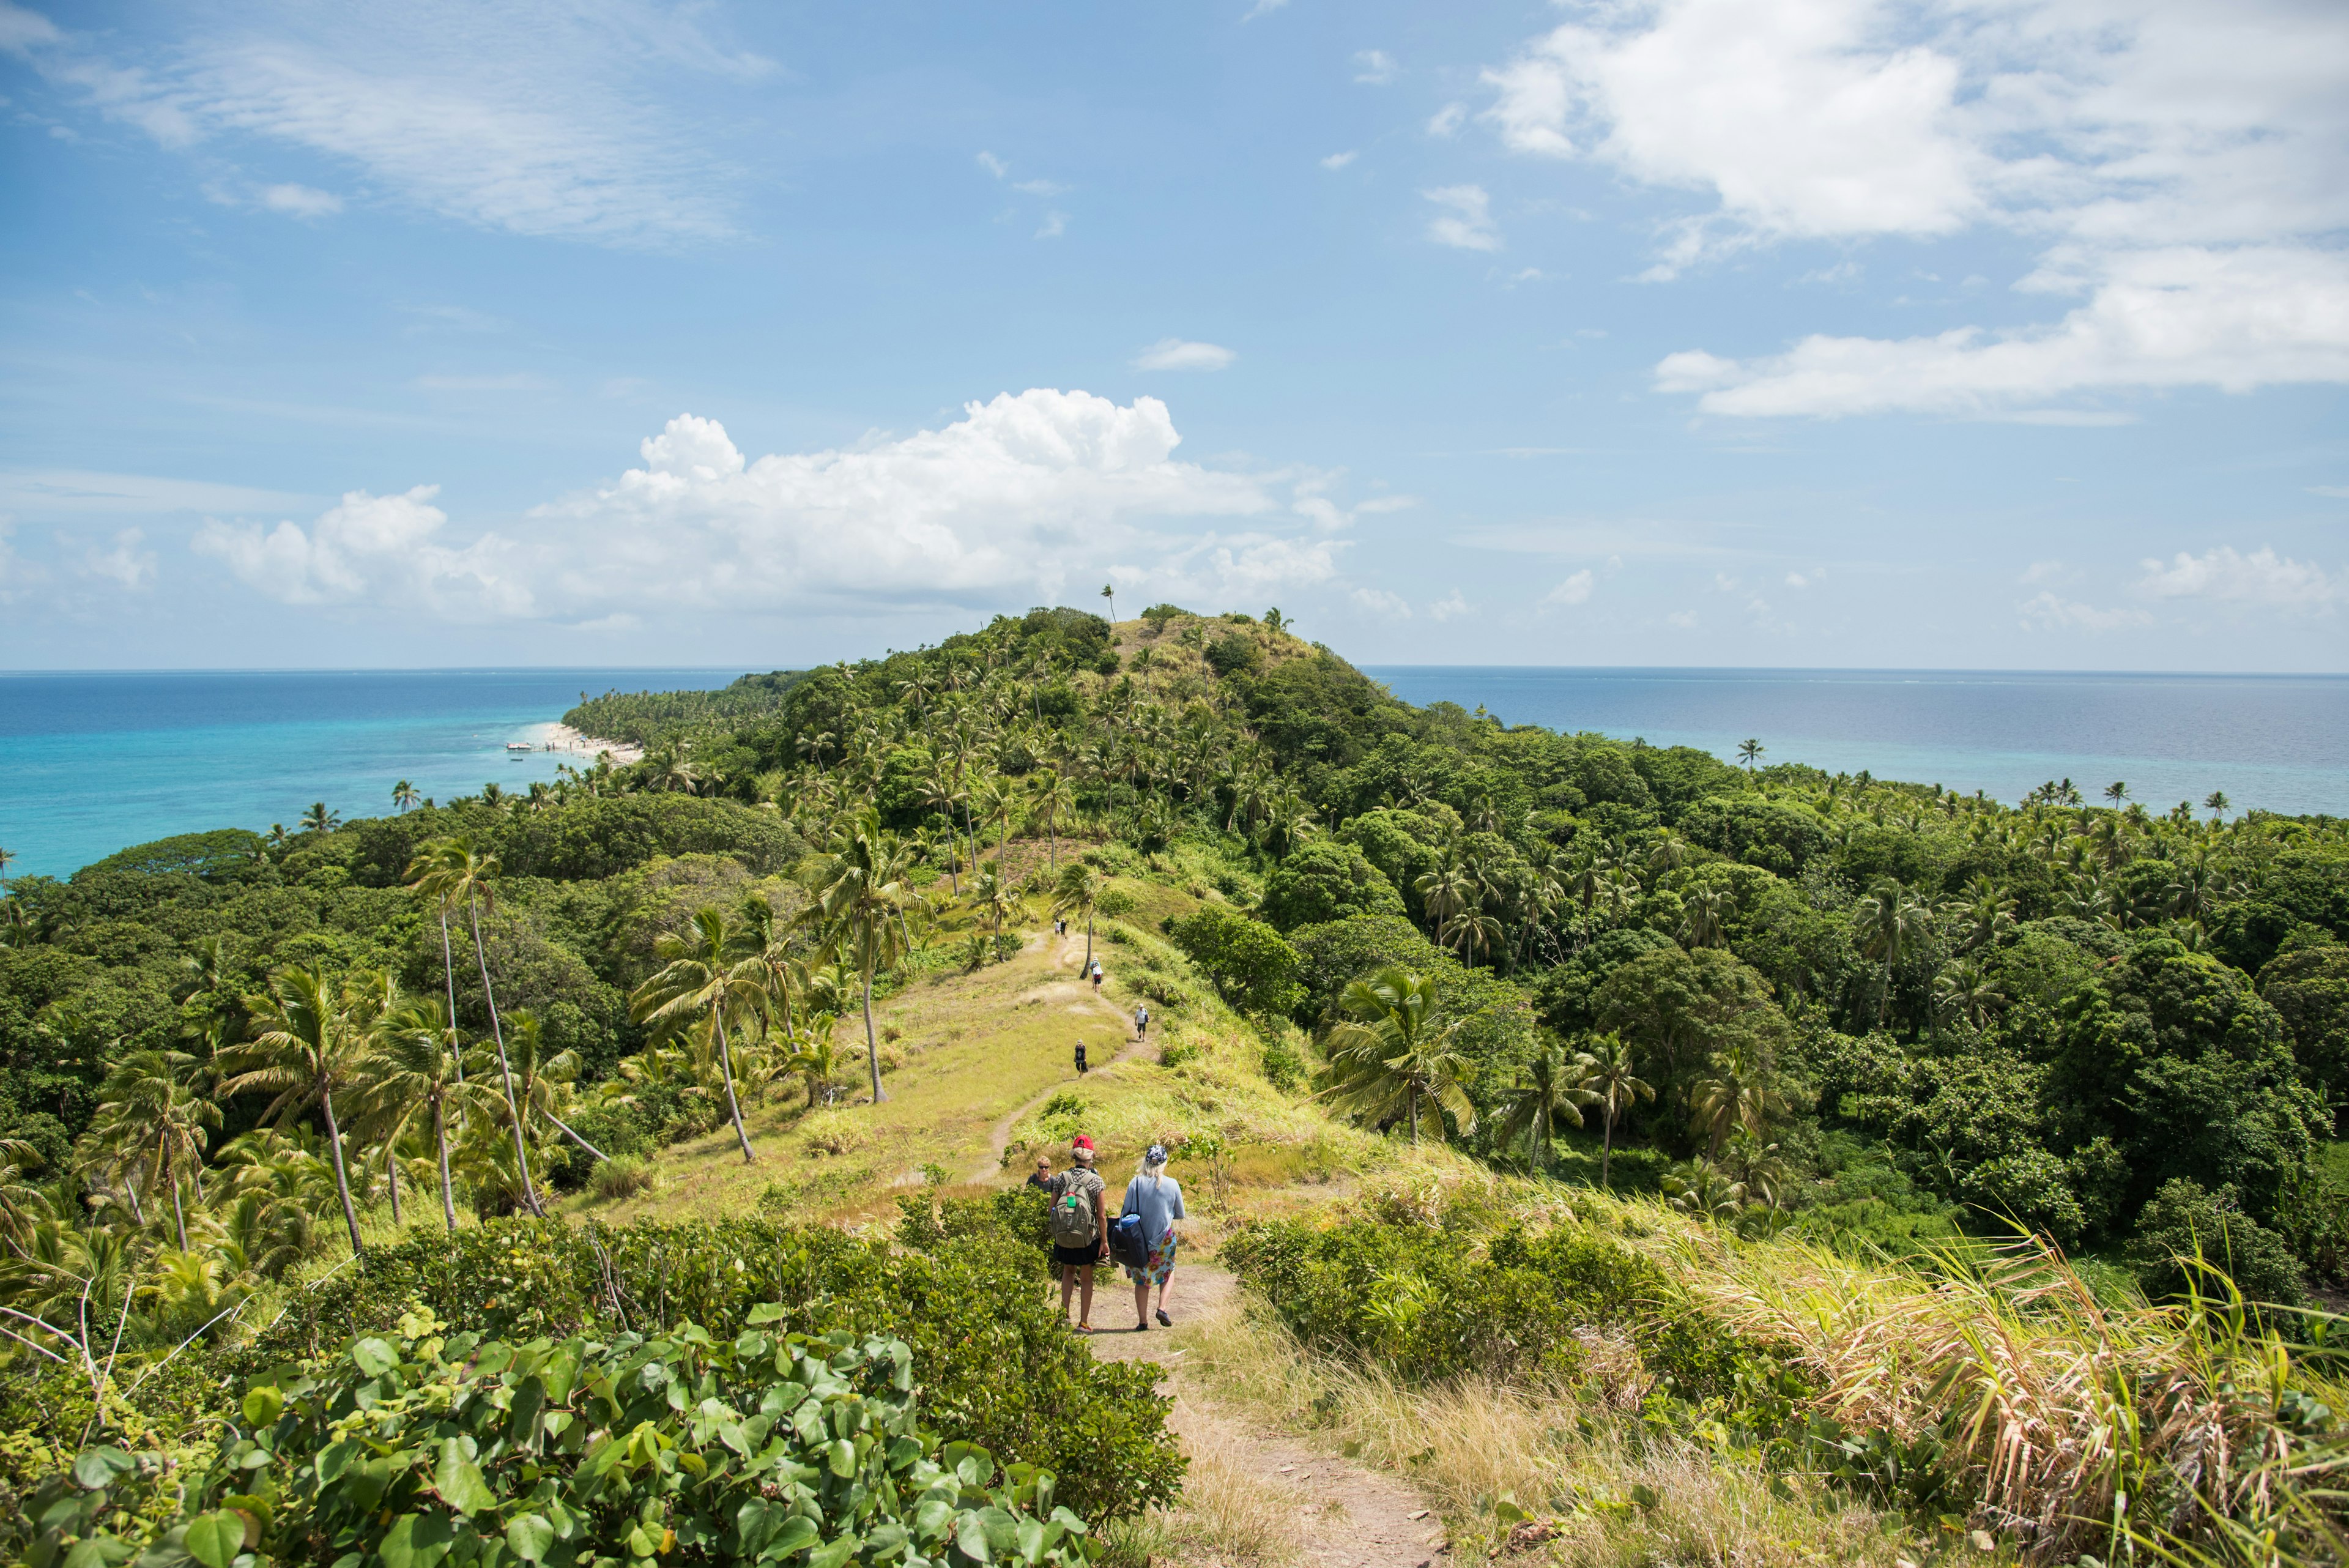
<point x="150" y="1110"/>
<point x="451" y="870"/>
<point x="1075" y="893"/>
<point x="7" y="858"/>
<point x="318" y="819"/>
<point x="1962" y="990"/>
<point x="998" y="898"/>
<point x="1053" y="794"/>
<point x="865" y="896"/>
<point x="996" y="799"/>
<point x="1109" y="592"/>
<point x="2116" y="792"/>
<point x="22" y="1206"/>
<point x="1390" y="1054"/>
<point x="2215" y="802"/>
<point x="705" y="975"/>
<point x="1749" y="751"/>
<point x="306" y="1050"/>
<point x="1735" y="1094"/>
<point x="1470" y="932"/>
<point x="1549" y="1090"/>
<point x="1705" y="923"/>
<point x="403" y="796"/>
<point x="1891" y="923"/>
<point x="414" y="1068"/>
<point x="1614" y="1080"/>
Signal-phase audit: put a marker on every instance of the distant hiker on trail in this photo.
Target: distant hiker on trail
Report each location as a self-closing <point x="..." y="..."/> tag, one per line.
<point x="1140" y="1019"/>
<point x="1081" y="1058"/>
<point x="1080" y="1229"/>
<point x="1041" y="1176"/>
<point x="1097" y="976"/>
<point x="1157" y="1198"/>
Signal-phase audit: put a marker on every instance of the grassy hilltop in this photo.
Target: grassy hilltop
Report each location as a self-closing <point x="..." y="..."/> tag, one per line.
<point x="1596" y="1152"/>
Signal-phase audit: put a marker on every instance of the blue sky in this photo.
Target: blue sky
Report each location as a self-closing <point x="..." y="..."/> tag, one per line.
<point x="1791" y="332"/>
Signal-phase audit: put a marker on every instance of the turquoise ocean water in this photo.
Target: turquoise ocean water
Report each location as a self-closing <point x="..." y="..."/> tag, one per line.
<point x="2280" y="743"/>
<point x="91" y="762"/>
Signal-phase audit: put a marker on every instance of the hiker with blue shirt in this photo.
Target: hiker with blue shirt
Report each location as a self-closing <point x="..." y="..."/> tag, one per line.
<point x="1157" y="1198"/>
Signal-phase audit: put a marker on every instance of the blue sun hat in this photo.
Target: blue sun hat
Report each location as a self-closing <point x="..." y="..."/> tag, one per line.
<point x="1155" y="1155"/>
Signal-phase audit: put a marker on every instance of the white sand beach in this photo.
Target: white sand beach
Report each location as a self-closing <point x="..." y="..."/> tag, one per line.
<point x="564" y="738"/>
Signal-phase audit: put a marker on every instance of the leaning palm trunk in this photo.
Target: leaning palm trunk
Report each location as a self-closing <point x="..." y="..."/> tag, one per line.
<point x="564" y="1127"/>
<point x="497" y="1033"/>
<point x="440" y="1146"/>
<point x="726" y="1070"/>
<point x="391" y="1176"/>
<point x="449" y="968"/>
<point x="342" y="1178"/>
<point x="872" y="1046"/>
<point x="179" y="1216"/>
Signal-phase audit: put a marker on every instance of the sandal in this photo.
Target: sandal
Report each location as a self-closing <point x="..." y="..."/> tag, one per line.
<point x="1084" y="1328"/>
<point x="1163" y="1320"/>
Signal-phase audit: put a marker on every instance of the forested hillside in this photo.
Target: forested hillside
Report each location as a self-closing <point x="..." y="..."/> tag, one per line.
<point x="1878" y="1015"/>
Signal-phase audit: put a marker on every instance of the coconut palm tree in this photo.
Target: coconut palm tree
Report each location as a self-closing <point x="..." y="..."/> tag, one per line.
<point x="997" y="800"/>
<point x="864" y="902"/>
<point x="150" y="1112"/>
<point x="414" y="1068"/>
<point x="22" y="1204"/>
<point x="1548" y="1091"/>
<point x="2115" y="792"/>
<point x="1470" y="932"/>
<point x="1053" y="796"/>
<point x="816" y="1058"/>
<point x="988" y="891"/>
<point x="318" y="819"/>
<point x="1390" y="1054"/>
<point x="1891" y="923"/>
<point x="1076" y="892"/>
<point x="2215" y="802"/>
<point x="403" y="796"/>
<point x="1613" y="1082"/>
<point x="1705" y="922"/>
<point x="306" y="1050"/>
<point x="1109" y="592"/>
<point x="451" y="870"/>
<point x="1749" y="751"/>
<point x="705" y="975"/>
<point x="7" y="858"/>
<point x="1962" y="990"/>
<point x="1735" y="1095"/>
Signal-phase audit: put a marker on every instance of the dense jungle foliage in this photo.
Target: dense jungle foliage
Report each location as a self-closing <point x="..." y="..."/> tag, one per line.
<point x="1874" y="1014"/>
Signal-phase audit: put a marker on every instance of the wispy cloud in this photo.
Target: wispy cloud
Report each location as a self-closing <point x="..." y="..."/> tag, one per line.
<point x="2261" y="579"/>
<point x="1054" y="225"/>
<point x="1339" y="159"/>
<point x="1177" y="354"/>
<point x="1375" y="67"/>
<point x="1574" y="590"/>
<point x="1466" y="219"/>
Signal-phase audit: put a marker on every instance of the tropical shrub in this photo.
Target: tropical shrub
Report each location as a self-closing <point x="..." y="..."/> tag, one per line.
<point x="1429" y="1303"/>
<point x="416" y="1448"/>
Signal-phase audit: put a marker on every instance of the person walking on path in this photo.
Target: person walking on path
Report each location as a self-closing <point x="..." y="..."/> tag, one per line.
<point x="1040" y="1177"/>
<point x="1080" y="1229"/>
<point x="1097" y="976"/>
<point x="1158" y="1199"/>
<point x="1081" y="1058"/>
<point x="1141" y="1019"/>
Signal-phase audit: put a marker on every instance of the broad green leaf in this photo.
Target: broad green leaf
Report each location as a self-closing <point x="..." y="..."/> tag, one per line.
<point x="459" y="1480"/>
<point x="766" y="1312"/>
<point x="529" y="1537"/>
<point x="833" y="1553"/>
<point x="841" y="1458"/>
<point x="416" y="1541"/>
<point x="333" y="1460"/>
<point x="96" y="1467"/>
<point x="214" y="1539"/>
<point x="374" y="1357"/>
<point x="971" y="1534"/>
<point x="640" y="1543"/>
<point x="798" y="1534"/>
<point x="261" y="1407"/>
<point x="1029" y="1538"/>
<point x="100" y="1551"/>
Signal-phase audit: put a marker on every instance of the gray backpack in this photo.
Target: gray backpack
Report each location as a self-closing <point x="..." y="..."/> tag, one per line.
<point x="1074" y="1223"/>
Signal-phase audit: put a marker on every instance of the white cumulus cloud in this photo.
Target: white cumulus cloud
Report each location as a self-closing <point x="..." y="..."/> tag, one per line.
<point x="378" y="548"/>
<point x="2261" y="579"/>
<point x="2182" y="164"/>
<point x="2051" y="612"/>
<point x="301" y="200"/>
<point x="1177" y="354"/>
<point x="127" y="563"/>
<point x="1375" y="68"/>
<point x="1451" y="605"/>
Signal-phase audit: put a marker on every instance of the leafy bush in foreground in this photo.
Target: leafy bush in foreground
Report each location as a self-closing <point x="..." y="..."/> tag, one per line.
<point x="413" y="1449"/>
<point x="997" y="1369"/>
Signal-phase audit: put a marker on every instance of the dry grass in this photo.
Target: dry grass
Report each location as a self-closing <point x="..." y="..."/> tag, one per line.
<point x="1600" y="1491"/>
<point x="1230" y="1512"/>
<point x="2073" y="1417"/>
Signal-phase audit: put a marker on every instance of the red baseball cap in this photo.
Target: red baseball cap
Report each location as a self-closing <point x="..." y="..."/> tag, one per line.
<point x="1082" y="1142"/>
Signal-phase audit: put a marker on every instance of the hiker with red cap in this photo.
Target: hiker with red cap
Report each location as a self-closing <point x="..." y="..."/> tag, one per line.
<point x="1080" y="1225"/>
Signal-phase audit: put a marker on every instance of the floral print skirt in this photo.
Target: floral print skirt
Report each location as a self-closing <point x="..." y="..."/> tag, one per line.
<point x="1161" y="1263"/>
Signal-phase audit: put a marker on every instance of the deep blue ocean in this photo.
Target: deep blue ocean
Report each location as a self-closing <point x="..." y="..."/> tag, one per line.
<point x="2277" y="741"/>
<point x="92" y="762"/>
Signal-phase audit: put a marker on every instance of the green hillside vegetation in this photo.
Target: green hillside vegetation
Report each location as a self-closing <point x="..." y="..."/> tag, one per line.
<point x="1653" y="1158"/>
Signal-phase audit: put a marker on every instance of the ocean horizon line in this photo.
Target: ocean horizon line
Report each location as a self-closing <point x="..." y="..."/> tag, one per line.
<point x="1366" y="668"/>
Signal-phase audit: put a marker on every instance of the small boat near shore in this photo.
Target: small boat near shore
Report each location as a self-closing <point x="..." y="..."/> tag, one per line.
<point x="519" y="748"/>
